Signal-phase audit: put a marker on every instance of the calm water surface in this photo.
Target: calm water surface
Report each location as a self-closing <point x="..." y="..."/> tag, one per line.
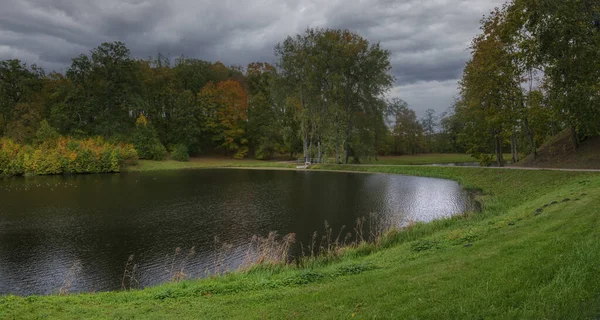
<point x="83" y="228"/>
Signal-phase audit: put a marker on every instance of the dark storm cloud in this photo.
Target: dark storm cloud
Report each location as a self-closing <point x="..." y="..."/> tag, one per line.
<point x="427" y="39"/>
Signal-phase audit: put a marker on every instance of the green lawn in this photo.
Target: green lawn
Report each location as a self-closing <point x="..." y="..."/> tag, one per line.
<point x="431" y="158"/>
<point x="214" y="162"/>
<point x="205" y="162"/>
<point x="506" y="262"/>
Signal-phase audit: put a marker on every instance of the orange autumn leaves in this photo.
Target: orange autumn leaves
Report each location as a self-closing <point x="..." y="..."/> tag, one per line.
<point x="228" y="114"/>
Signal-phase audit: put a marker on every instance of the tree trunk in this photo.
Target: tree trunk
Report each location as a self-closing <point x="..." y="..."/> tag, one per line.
<point x="305" y="146"/>
<point x="574" y="138"/>
<point x="515" y="144"/>
<point x="454" y="145"/>
<point x="319" y="148"/>
<point x="530" y="138"/>
<point x="310" y="150"/>
<point x="514" y="148"/>
<point x="347" y="153"/>
<point x="306" y="127"/>
<point x="499" y="155"/>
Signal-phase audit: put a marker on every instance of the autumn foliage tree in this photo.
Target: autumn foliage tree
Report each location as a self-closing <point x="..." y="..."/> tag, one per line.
<point x="226" y="105"/>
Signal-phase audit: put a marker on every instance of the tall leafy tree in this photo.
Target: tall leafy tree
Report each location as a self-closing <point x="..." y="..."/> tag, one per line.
<point x="108" y="89"/>
<point x="21" y="99"/>
<point x="225" y="106"/>
<point x="429" y="124"/>
<point x="266" y="115"/>
<point x="489" y="88"/>
<point x="407" y="131"/>
<point x="338" y="78"/>
<point x="568" y="38"/>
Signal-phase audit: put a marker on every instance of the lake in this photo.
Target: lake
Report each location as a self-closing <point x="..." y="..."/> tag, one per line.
<point x="79" y="231"/>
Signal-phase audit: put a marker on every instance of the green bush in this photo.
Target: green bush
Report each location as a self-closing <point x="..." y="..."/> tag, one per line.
<point x="127" y="154"/>
<point x="146" y="142"/>
<point x="180" y="153"/>
<point x="46" y="133"/>
<point x="241" y="153"/>
<point x="157" y="152"/>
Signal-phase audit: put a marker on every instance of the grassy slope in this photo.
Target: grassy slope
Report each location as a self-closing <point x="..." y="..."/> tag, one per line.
<point x="519" y="265"/>
<point x="557" y="152"/>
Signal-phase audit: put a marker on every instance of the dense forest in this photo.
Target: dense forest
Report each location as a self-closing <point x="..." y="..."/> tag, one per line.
<point x="534" y="71"/>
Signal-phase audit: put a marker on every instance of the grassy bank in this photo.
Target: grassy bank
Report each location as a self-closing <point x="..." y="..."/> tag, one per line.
<point x="530" y="253"/>
<point x="430" y="158"/>
<point x="198" y="163"/>
<point x="215" y="162"/>
<point x="558" y="152"/>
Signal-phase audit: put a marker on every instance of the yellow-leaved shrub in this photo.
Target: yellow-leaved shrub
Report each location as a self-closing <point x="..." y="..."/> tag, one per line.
<point x="65" y="155"/>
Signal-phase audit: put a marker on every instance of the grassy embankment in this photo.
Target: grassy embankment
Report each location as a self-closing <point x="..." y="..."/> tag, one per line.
<point x="529" y="254"/>
<point x="558" y="152"/>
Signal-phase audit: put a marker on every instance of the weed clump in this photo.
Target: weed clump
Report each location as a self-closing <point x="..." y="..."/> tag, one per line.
<point x="424" y="245"/>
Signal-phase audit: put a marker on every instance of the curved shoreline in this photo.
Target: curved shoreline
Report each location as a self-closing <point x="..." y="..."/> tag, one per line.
<point x="500" y="239"/>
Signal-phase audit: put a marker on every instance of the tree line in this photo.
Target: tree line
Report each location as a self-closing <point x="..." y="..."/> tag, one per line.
<point x="325" y="97"/>
<point x="534" y="71"/>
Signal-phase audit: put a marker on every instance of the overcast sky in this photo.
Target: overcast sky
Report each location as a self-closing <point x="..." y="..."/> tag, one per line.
<point x="428" y="39"/>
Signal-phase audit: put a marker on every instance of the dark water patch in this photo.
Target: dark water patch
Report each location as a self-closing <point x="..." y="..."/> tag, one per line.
<point x="78" y="232"/>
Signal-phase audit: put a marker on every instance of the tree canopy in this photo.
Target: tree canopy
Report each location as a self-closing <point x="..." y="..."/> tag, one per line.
<point x="535" y="69"/>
